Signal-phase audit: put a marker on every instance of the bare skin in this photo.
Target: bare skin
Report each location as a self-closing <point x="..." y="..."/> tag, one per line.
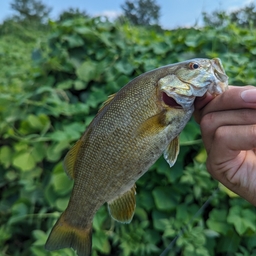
<point x="228" y="125"/>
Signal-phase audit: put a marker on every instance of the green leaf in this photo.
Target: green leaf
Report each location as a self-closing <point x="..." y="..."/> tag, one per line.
<point x="5" y="234"/>
<point x="34" y="122"/>
<point x="99" y="219"/>
<point x="86" y="31"/>
<point x="145" y="199"/>
<point x="60" y="181"/>
<point x="211" y="233"/>
<point x="19" y="209"/>
<point x="124" y="67"/>
<point x="64" y="85"/>
<point x="38" y="152"/>
<point x="242" y="219"/>
<point x="164" y="200"/>
<point x="62" y="203"/>
<point x="79" y="85"/>
<point x="229" y="244"/>
<point x="218" y="221"/>
<point x="161" y="48"/>
<point x="189" y="134"/>
<point x="40" y="237"/>
<point x="54" y="152"/>
<point x="11" y="175"/>
<point x="160" y="220"/>
<point x="24" y="161"/>
<point x="89" y="71"/>
<point x="73" y="40"/>
<point x="182" y="212"/>
<point x="100" y="242"/>
<point x="5" y="156"/>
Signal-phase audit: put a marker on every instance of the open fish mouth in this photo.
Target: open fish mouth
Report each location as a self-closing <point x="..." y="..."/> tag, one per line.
<point x="170" y="101"/>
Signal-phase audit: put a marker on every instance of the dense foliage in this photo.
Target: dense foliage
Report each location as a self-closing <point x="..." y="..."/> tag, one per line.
<point x="141" y="12"/>
<point x="45" y="105"/>
<point x="33" y="11"/>
<point x="244" y="17"/>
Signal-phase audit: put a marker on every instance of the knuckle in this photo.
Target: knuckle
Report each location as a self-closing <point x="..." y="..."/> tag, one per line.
<point x="252" y="133"/>
<point x="207" y="120"/>
<point x="221" y="134"/>
<point x="247" y="115"/>
<point x="248" y="87"/>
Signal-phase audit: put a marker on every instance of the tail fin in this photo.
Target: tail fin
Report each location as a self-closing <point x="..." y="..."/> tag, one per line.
<point x="63" y="235"/>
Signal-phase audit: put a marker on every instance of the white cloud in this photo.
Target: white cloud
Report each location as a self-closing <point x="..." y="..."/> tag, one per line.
<point x="248" y="2"/>
<point x="109" y="14"/>
<point x="241" y="5"/>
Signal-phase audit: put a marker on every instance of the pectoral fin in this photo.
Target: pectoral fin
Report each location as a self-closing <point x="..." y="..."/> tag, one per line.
<point x="172" y="151"/>
<point x="70" y="158"/>
<point x="122" y="208"/>
<point x="153" y="125"/>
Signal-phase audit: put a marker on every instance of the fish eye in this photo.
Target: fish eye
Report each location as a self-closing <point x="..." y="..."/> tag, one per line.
<point x="193" y="65"/>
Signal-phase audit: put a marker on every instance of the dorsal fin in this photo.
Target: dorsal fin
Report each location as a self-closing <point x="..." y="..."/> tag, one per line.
<point x="109" y="99"/>
<point x="122" y="208"/>
<point x="70" y="159"/>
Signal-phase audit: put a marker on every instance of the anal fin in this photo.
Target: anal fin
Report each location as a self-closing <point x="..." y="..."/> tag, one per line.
<point x="172" y="151"/>
<point x="122" y="208"/>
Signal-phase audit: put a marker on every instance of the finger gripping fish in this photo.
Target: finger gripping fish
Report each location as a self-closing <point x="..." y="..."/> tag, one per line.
<point x="131" y="131"/>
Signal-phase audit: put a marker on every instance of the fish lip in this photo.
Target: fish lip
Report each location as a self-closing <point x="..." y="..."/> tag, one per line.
<point x="219" y="73"/>
<point x="220" y="82"/>
<point x="216" y="88"/>
<point x="220" y="76"/>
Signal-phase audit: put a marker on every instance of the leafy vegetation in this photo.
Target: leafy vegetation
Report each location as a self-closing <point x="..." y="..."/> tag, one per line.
<point x="244" y="17"/>
<point x="52" y="85"/>
<point x="141" y="12"/>
<point x="30" y="10"/>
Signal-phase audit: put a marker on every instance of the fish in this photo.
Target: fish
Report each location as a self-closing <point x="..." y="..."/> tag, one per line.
<point x="132" y="129"/>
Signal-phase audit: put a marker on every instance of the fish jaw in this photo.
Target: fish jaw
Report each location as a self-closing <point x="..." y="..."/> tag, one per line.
<point x="221" y="82"/>
<point x="184" y="90"/>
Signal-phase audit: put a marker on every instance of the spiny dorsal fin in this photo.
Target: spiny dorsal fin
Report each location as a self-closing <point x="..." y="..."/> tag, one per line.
<point x="70" y="159"/>
<point x="172" y="151"/>
<point x="109" y="99"/>
<point x="122" y="208"/>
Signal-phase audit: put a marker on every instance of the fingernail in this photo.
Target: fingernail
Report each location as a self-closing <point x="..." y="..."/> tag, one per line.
<point x="249" y="96"/>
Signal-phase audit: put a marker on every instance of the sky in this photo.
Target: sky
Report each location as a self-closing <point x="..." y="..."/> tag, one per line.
<point x="174" y="13"/>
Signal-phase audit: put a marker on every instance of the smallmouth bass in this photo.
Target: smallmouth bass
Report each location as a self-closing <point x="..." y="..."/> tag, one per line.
<point x="131" y="131"/>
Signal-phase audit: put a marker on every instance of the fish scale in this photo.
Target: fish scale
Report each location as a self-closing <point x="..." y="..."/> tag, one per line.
<point x="130" y="132"/>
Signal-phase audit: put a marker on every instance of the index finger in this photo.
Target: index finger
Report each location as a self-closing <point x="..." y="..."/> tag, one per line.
<point x="234" y="98"/>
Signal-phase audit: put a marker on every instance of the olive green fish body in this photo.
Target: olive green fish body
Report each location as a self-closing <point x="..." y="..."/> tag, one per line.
<point x="130" y="132"/>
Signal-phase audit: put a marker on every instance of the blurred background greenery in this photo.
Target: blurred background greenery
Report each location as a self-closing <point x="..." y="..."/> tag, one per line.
<point x="54" y="76"/>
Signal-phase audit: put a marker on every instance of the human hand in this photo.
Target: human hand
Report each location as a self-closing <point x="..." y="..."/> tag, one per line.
<point x="228" y="126"/>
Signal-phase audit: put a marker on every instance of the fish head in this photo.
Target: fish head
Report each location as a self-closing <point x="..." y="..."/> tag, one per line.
<point x="191" y="79"/>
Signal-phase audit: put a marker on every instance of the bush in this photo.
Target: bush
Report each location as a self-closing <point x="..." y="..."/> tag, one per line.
<point x="46" y="104"/>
